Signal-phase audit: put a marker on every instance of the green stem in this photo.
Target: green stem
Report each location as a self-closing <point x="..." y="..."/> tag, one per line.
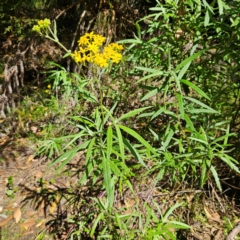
<point x="55" y="39"/>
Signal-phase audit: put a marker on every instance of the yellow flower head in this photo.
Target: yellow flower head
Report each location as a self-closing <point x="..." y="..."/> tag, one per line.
<point x="36" y="28"/>
<point x="90" y="50"/>
<point x="42" y="24"/>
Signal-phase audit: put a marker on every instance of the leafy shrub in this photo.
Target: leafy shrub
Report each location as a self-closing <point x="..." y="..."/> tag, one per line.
<point x="178" y="128"/>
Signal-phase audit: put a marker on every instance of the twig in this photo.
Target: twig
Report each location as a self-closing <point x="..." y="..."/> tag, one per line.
<point x="66" y="9"/>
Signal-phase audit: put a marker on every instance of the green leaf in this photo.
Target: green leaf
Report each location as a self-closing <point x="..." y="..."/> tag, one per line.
<point x="120" y="142"/>
<point x="138" y="41"/>
<point x="138" y="30"/>
<point x="150" y="94"/>
<point x="95" y="223"/>
<point x="150" y="70"/>
<point x="156" y="74"/>
<point x="109" y="142"/>
<point x="89" y="168"/>
<point x="207" y="18"/>
<point x="189" y="122"/>
<point x="137" y="137"/>
<point x="225" y="138"/>
<point x="229" y="161"/>
<point x="200" y="110"/>
<point x="90" y="150"/>
<point x="170" y="211"/>
<point x="187" y="63"/>
<point x="107" y="178"/>
<point x="180" y="104"/>
<point x="207" y="6"/>
<point x="131" y="114"/>
<point x="67" y="54"/>
<point x="197" y="89"/>
<point x="201" y="104"/>
<point x="67" y="156"/>
<point x="178" y="225"/>
<point x="216" y="178"/>
<point x="220" y="7"/>
<point x="134" y="152"/>
<point x="203" y="173"/>
<point x="169" y="134"/>
<point x="157" y="113"/>
<point x="199" y="140"/>
<point x="109" y="112"/>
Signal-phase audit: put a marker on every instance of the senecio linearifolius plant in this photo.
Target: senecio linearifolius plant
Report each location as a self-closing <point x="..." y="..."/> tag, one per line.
<point x="193" y="138"/>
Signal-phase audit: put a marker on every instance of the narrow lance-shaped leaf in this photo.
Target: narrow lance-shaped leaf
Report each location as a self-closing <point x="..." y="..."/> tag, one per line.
<point x="180" y="104"/>
<point x="203" y="173"/>
<point x="168" y="137"/>
<point x="150" y="70"/>
<point x="107" y="178"/>
<point x="138" y="30"/>
<point x="186" y="63"/>
<point x="156" y="74"/>
<point x="133" y="151"/>
<point x="109" y="112"/>
<point x="170" y="211"/>
<point x="137" y="137"/>
<point x="131" y="114"/>
<point x="189" y="122"/>
<point x="200" y="103"/>
<point x="120" y="142"/>
<point x="194" y="87"/>
<point x="150" y="94"/>
<point x="109" y="142"/>
<point x="220" y="7"/>
<point x="216" y="178"/>
<point x="90" y="150"/>
<point x="207" y="18"/>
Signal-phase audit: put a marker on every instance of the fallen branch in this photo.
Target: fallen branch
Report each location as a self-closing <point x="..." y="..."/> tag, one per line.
<point x="233" y="234"/>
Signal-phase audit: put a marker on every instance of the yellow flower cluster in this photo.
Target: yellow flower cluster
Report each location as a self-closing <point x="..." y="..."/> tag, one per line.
<point x="90" y="50"/>
<point x="42" y="24"/>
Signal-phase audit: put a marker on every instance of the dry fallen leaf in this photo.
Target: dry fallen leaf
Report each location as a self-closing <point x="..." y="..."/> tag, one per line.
<point x="26" y="166"/>
<point x="218" y="235"/>
<point x="212" y="216"/>
<point x="216" y="217"/>
<point x="29" y="214"/>
<point x="11" y="206"/>
<point x="27" y="233"/>
<point x="42" y="208"/>
<point x="207" y="213"/>
<point x="54" y="205"/>
<point x="6" y="220"/>
<point x="27" y="223"/>
<point x="41" y="222"/>
<point x="129" y="203"/>
<point x="236" y="221"/>
<point x="38" y="174"/>
<point x="34" y="129"/>
<point x="30" y="158"/>
<point x="17" y="215"/>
